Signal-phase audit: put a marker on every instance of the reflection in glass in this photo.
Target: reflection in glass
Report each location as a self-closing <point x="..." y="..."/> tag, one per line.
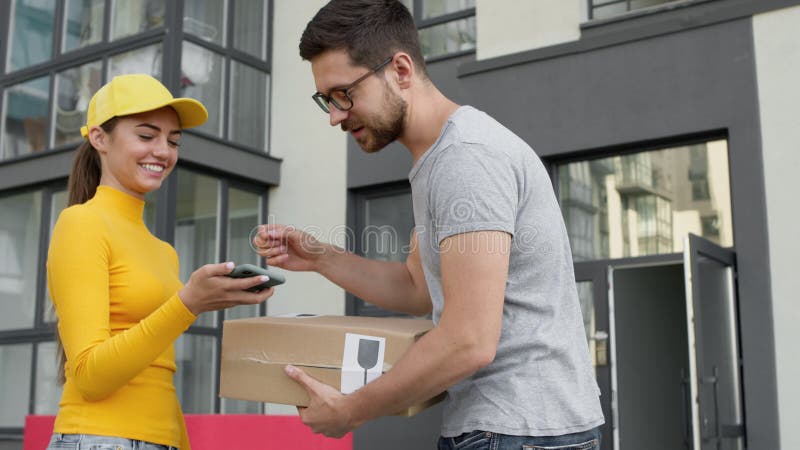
<point x="195" y="357"/>
<point x="205" y="20"/>
<point x="388" y="224"/>
<point x="142" y="60"/>
<point x="74" y="89"/>
<point x="645" y="203"/>
<point x="131" y="17"/>
<point x="31" y="33"/>
<point x="83" y="23"/>
<point x="202" y="79"/>
<point x="449" y="37"/>
<point x="15" y="390"/>
<point x="243" y="215"/>
<point x="48" y="392"/>
<point x="19" y="256"/>
<point x="602" y="9"/>
<point x="250" y="27"/>
<point x="25" y="115"/>
<point x="434" y="8"/>
<point x="57" y="204"/>
<point x="196" y="228"/>
<point x="587" y="311"/>
<point x="250" y="93"/>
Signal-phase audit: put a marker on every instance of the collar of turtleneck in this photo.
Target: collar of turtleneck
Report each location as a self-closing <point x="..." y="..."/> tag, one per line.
<point x="111" y="199"/>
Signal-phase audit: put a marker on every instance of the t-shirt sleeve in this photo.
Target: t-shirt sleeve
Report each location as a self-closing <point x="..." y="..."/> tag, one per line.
<point x="472" y="189"/>
<point x="78" y="277"/>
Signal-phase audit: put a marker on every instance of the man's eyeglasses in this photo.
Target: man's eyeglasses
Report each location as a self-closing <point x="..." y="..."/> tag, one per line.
<point x="340" y="97"/>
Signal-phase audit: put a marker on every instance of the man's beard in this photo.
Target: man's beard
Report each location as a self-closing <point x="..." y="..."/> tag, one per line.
<point x="382" y="131"/>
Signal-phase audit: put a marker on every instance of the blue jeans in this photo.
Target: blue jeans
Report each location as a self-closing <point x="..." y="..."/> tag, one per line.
<point x="486" y="440"/>
<point x="61" y="441"/>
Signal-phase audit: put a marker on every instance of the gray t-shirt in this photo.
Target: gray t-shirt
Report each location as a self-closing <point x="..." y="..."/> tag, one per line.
<point x="481" y="176"/>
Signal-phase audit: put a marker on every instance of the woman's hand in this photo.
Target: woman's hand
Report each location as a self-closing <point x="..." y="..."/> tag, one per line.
<point x="209" y="289"/>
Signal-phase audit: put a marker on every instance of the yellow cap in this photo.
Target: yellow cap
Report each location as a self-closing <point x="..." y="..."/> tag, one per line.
<point x="137" y="93"/>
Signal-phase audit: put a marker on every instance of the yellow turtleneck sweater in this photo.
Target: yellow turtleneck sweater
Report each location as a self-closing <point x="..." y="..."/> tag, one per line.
<point x="115" y="289"/>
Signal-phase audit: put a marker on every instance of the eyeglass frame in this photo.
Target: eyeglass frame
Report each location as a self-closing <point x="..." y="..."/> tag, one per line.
<point x="323" y="100"/>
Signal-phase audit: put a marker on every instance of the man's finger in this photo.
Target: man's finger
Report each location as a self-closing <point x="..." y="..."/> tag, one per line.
<point x="301" y="377"/>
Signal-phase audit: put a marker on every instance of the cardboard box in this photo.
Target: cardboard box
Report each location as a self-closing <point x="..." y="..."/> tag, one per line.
<point x="341" y="351"/>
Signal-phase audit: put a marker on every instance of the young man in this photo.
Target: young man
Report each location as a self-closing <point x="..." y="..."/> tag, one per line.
<point x="489" y="256"/>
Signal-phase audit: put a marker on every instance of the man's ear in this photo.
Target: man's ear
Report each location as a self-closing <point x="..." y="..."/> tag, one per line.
<point x="404" y="69"/>
<point x="99" y="139"/>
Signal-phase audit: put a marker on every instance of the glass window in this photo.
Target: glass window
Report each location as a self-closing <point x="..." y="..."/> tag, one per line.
<point x="243" y="215"/>
<point x="142" y="60"/>
<point x="645" y="203"/>
<point x="250" y="27"/>
<point x="57" y="204"/>
<point x="205" y="20"/>
<point x="31" y="33"/>
<point x="195" y="357"/>
<point x="202" y="79"/>
<point x="450" y="37"/>
<point x="83" y="23"/>
<point x="196" y="228"/>
<point x="25" y="123"/>
<point x="131" y="17"/>
<point x="249" y="99"/>
<point x="74" y="89"/>
<point x="389" y="221"/>
<point x="48" y="392"/>
<point x="19" y="258"/>
<point x="15" y="371"/>
<point x="586" y="298"/>
<point x="601" y="9"/>
<point x="434" y="8"/>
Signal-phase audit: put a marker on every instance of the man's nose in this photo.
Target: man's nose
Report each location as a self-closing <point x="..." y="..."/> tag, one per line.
<point x="337" y="116"/>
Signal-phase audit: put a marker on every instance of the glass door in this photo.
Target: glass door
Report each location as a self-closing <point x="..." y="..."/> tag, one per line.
<point x="592" y="283"/>
<point x="717" y="419"/>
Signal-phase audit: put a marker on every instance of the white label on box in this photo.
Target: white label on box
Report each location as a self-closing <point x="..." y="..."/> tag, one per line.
<point x="362" y="360"/>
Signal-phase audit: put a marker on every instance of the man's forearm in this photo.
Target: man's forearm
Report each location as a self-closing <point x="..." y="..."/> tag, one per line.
<point x="387" y="285"/>
<point x="434" y="363"/>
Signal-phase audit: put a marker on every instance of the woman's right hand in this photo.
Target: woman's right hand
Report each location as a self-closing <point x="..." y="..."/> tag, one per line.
<point x="209" y="289"/>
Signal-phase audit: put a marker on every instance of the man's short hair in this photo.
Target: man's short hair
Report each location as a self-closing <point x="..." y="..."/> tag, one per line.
<point x="368" y="30"/>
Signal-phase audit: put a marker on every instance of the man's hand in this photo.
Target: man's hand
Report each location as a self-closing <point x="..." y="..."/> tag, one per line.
<point x="289" y="248"/>
<point x="326" y="412"/>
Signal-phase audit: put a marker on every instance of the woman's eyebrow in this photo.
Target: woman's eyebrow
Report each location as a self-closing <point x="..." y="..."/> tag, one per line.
<point x="150" y="125"/>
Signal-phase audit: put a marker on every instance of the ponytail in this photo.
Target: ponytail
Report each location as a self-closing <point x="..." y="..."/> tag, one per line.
<point x="82" y="185"/>
<point x="85" y="176"/>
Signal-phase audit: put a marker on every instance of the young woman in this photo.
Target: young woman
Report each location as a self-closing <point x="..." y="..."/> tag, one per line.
<point x="115" y="287"/>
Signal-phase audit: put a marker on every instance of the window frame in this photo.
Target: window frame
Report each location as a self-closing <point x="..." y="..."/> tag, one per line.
<point x="632" y="148"/>
<point x="423" y="23"/>
<point x="358" y="198"/>
<point x="170" y="35"/>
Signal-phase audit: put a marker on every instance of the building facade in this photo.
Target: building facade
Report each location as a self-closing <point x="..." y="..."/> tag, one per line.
<point x="659" y="120"/>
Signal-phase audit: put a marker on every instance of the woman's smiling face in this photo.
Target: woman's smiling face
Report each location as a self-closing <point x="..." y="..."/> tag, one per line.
<point x="140" y="152"/>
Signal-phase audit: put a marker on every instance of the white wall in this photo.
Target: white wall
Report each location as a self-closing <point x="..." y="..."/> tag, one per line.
<point x="312" y="191"/>
<point x="777" y="49"/>
<point x="511" y="26"/>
